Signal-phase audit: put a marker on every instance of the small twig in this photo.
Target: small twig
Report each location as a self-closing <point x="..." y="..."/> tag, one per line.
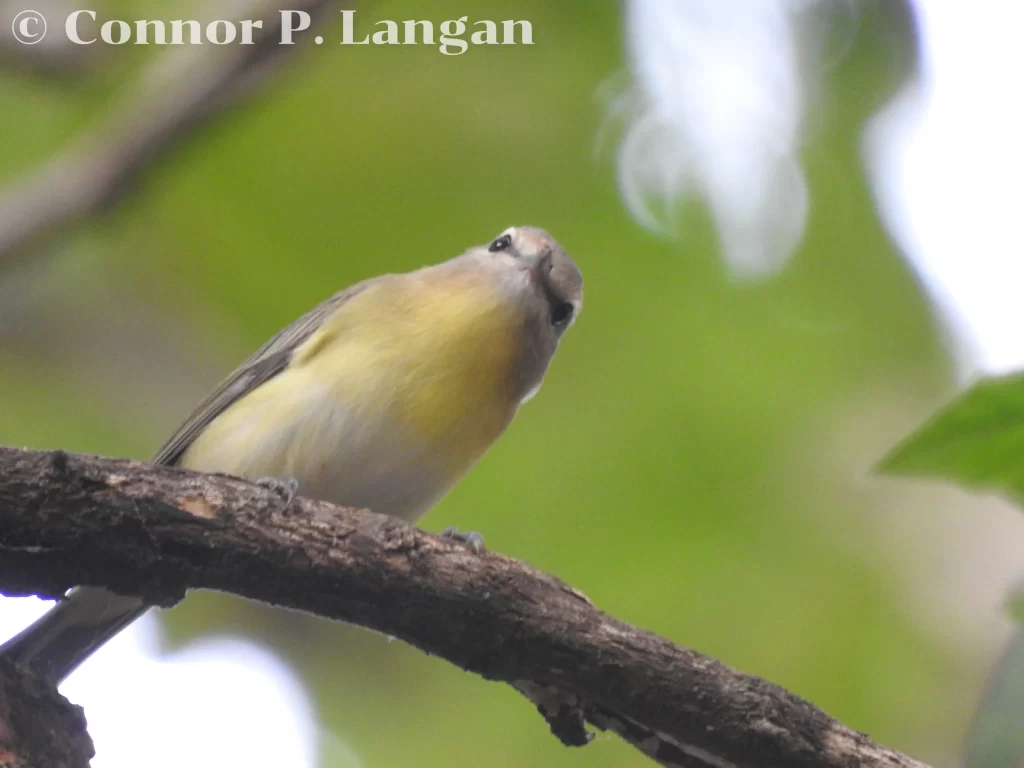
<point x="178" y="92"/>
<point x="54" y="55"/>
<point x="68" y="519"/>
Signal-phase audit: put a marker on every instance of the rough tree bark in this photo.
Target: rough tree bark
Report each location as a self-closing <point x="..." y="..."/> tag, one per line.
<point x="68" y="519"/>
<point x="39" y="728"/>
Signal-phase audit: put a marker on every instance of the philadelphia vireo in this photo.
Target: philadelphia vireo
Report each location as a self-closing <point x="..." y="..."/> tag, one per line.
<point x="381" y="397"/>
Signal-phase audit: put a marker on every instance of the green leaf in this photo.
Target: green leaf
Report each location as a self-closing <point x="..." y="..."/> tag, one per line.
<point x="977" y="440"/>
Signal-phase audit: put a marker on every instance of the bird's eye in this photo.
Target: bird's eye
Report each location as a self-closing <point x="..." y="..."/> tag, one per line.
<point x="562" y="314"/>
<point x="500" y="243"/>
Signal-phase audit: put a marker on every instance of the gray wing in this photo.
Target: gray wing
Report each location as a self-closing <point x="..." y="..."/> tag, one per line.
<point x="73" y="629"/>
<point x="264" y="364"/>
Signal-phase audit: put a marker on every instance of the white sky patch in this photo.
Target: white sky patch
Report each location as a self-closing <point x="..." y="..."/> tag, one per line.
<point x="947" y="162"/>
<point x="218" y="702"/>
<point x="716" y="108"/>
<point x="716" y="111"/>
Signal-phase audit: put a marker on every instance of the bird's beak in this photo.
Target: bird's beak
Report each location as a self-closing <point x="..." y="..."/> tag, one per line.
<point x="538" y="267"/>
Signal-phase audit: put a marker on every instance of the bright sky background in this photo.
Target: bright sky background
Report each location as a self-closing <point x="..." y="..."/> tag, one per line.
<point x="948" y="167"/>
<point x="947" y="163"/>
<point x="219" y="702"/>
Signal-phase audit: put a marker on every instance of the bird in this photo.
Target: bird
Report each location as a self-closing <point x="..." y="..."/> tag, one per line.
<point x="381" y="397"/>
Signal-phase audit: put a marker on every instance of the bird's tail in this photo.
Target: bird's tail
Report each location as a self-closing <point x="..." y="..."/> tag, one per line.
<point x="71" y="631"/>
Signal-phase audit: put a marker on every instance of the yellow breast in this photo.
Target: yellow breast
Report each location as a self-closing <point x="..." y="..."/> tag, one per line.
<point x="387" y="404"/>
<point x="439" y="360"/>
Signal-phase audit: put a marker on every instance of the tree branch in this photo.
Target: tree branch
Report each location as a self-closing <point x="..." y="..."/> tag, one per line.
<point x="177" y="93"/>
<point x="153" y="531"/>
<point x="39" y="728"/>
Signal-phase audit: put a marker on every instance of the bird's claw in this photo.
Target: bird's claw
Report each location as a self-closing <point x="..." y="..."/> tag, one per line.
<point x="471" y="539"/>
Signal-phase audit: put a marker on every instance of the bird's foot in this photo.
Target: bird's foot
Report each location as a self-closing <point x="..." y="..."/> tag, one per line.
<point x="285" y="487"/>
<point x="471" y="539"/>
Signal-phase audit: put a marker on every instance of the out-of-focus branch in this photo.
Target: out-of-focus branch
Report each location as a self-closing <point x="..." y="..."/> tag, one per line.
<point x="156" y="531"/>
<point x="54" y="55"/>
<point x="180" y="91"/>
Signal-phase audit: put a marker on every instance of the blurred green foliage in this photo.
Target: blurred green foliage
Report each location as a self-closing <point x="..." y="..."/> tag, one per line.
<point x="997" y="739"/>
<point x="679" y="463"/>
<point x="976" y="441"/>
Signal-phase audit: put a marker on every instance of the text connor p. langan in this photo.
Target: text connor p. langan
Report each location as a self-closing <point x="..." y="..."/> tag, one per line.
<point x="452" y="36"/>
